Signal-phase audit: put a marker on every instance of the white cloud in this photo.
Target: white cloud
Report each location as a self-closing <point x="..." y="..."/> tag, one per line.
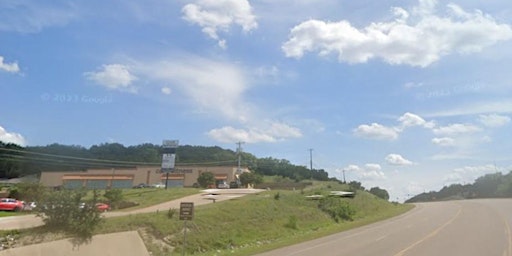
<point x="215" y="87"/>
<point x="114" y="77"/>
<point x="166" y="90"/>
<point x="219" y="15"/>
<point x="410" y="120"/>
<point x="11" y="137"/>
<point x="9" y="67"/>
<point x="456" y="129"/>
<point x="396" y="159"/>
<point x="370" y="172"/>
<point x="444" y="141"/>
<point x="376" y="131"/>
<point x="418" y="37"/>
<point x="469" y="174"/>
<point x="494" y="120"/>
<point x="273" y="133"/>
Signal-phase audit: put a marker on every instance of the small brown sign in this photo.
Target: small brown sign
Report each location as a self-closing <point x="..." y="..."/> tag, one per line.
<point x="186" y="211"/>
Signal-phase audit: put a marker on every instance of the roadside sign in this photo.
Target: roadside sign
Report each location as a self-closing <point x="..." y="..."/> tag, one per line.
<point x="186" y="210"/>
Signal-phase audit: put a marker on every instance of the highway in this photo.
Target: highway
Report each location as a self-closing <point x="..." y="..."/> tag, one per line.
<point x="470" y="228"/>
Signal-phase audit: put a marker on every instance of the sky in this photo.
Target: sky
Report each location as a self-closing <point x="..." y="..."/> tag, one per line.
<point x="409" y="96"/>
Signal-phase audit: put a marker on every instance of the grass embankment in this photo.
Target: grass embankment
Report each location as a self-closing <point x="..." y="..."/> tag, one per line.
<point x="145" y="197"/>
<point x="251" y="224"/>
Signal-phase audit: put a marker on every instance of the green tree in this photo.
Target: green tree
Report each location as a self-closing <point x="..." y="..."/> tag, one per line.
<point x="114" y="197"/>
<point x="66" y="211"/>
<point x="247" y="178"/>
<point x="205" y="179"/>
<point x="379" y="192"/>
<point x="31" y="191"/>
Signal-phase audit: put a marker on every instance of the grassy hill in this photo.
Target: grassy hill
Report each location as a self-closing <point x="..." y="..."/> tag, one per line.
<point x="253" y="223"/>
<point x="242" y="226"/>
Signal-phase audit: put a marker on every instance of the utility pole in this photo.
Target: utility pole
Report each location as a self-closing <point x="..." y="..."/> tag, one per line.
<point x="344" y="181"/>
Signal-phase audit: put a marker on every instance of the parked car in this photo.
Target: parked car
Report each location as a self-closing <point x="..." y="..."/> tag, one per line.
<point x="223" y="185"/>
<point x="141" y="185"/>
<point x="11" y="204"/>
<point x="158" y="185"/>
<point x="102" y="207"/>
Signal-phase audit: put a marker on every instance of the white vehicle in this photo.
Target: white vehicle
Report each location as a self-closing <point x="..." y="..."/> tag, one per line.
<point x="158" y="185"/>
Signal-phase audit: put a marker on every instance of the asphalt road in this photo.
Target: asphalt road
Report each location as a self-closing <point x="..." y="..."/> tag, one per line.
<point x="470" y="227"/>
<point x="30" y="220"/>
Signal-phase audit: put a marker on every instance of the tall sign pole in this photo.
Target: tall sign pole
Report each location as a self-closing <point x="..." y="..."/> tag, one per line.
<point x="168" y="158"/>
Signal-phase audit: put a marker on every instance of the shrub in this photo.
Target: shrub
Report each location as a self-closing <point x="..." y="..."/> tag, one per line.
<point x="277" y="196"/>
<point x="337" y="208"/>
<point x="171" y="213"/>
<point x="292" y="222"/>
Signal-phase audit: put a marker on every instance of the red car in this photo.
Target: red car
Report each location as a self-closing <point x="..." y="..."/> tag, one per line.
<point x="10" y="204"/>
<point x="102" y="207"/>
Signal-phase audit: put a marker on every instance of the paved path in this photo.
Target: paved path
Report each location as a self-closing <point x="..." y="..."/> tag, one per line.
<point x="117" y="244"/>
<point x="469" y="228"/>
<point x="30" y="220"/>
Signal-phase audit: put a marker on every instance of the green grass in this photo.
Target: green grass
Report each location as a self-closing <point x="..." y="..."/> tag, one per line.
<point x="251" y="224"/>
<point x="242" y="226"/>
<point x="150" y="196"/>
<point x="7" y="214"/>
<point x="145" y="197"/>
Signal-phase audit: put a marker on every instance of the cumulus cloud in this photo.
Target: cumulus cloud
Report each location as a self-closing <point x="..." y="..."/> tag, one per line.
<point x="494" y="120"/>
<point x="396" y="159"/>
<point x="410" y="120"/>
<point x="114" y="77"/>
<point x="219" y="15"/>
<point x="372" y="172"/>
<point x="418" y="37"/>
<point x="376" y="131"/>
<point x="381" y="132"/>
<point x="444" y="141"/>
<point x="273" y="133"/>
<point x="456" y="129"/>
<point x="9" y="67"/>
<point x="11" y="137"/>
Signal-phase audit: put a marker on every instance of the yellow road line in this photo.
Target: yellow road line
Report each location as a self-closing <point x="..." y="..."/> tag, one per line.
<point x="432" y="234"/>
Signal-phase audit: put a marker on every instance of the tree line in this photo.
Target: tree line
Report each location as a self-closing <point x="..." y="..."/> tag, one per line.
<point x="493" y="185"/>
<point x="17" y="161"/>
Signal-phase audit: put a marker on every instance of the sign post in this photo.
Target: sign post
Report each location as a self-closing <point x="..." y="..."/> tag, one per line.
<point x="186" y="213"/>
<point x="168" y="158"/>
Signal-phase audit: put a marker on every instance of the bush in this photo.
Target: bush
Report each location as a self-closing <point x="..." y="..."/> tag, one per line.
<point x="65" y="211"/>
<point x="337" y="208"/>
<point x="114" y="196"/>
<point x="277" y="196"/>
<point x="171" y="212"/>
<point x="292" y="222"/>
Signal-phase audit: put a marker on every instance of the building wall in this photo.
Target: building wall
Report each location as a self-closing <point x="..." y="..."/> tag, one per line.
<point x="182" y="176"/>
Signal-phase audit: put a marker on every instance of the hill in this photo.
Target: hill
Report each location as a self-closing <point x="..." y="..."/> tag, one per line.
<point x="17" y="161"/>
<point x="494" y="185"/>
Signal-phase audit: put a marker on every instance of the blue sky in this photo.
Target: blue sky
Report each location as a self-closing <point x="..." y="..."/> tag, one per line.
<point x="405" y="95"/>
